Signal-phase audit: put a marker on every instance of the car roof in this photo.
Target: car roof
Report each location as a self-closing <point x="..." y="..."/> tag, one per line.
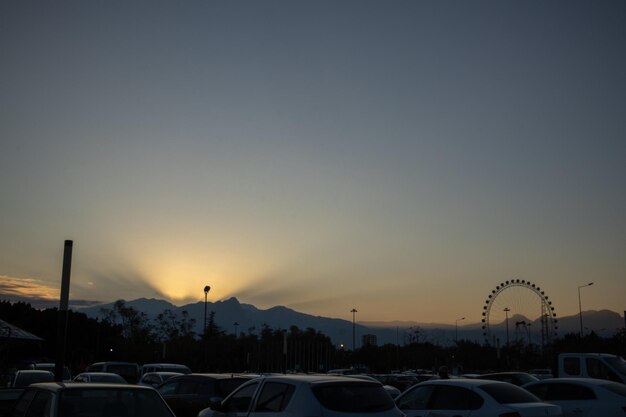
<point x="61" y="386"/>
<point x="319" y="379"/>
<point x="581" y="381"/>
<point x="463" y="382"/>
<point x="179" y="365"/>
<point x="98" y="373"/>
<point x="33" y="371"/>
<point x="506" y="373"/>
<point x="208" y="375"/>
<point x="163" y="373"/>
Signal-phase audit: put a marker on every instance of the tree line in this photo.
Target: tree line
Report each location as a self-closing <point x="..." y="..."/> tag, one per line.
<point x="127" y="334"/>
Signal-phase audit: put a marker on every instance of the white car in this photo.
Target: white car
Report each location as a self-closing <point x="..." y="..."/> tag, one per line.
<point x="472" y="398"/>
<point x="582" y="397"/>
<point x="306" y="395"/>
<point x="154" y="379"/>
<point x="100" y="377"/>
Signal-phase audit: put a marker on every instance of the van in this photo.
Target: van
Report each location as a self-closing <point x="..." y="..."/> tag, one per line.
<point x="592" y="365"/>
<point x="165" y="367"/>
<point x="127" y="370"/>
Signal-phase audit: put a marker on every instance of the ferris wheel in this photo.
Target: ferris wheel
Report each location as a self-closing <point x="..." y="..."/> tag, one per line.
<point x="520" y="311"/>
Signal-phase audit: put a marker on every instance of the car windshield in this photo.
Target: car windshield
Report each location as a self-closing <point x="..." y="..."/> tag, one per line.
<point x="109" y="402"/>
<point x="509" y="394"/>
<point x="618" y="364"/>
<point x="353" y="398"/>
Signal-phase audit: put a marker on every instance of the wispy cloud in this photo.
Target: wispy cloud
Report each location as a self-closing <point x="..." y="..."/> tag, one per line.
<point x="35" y="292"/>
<point x="27" y="287"/>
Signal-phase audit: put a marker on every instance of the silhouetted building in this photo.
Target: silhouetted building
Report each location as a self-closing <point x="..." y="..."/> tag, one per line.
<point x="370" y="340"/>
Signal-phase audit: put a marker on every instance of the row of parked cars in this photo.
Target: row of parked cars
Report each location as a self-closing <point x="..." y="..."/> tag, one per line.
<point x="252" y="395"/>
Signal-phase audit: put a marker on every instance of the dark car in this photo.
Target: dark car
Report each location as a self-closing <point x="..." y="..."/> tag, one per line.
<point x="69" y="399"/>
<point x="515" y="378"/>
<point x="188" y="394"/>
<point x="127" y="370"/>
<point x="25" y="377"/>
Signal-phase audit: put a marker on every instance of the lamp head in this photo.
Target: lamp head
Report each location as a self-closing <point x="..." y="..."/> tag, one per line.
<point x="207" y="289"/>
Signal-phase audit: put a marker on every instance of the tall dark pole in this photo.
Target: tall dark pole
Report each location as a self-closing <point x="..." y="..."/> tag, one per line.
<point x="63" y="311"/>
<point x="506" y="311"/>
<point x="206" y="293"/>
<point x="236" y="325"/>
<point x="580" y="308"/>
<point x="353" y="311"/>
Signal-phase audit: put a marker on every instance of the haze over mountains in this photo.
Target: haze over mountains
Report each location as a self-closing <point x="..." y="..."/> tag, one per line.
<point x="250" y="319"/>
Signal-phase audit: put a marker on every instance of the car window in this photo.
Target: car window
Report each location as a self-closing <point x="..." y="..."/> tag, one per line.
<point x="240" y="400"/>
<point x="40" y="405"/>
<point x="568" y="392"/>
<point x="274" y="396"/>
<point x="455" y="398"/>
<point x="540" y="390"/>
<point x="509" y="394"/>
<point x="353" y="397"/>
<point x="108" y="402"/>
<point x="598" y="369"/>
<point x="619" y="364"/>
<point x="168" y="388"/>
<point x="571" y="366"/>
<point x="416" y="399"/>
<point x="23" y="402"/>
<point x="151" y="379"/>
<point x="223" y="387"/>
<point x="191" y="387"/>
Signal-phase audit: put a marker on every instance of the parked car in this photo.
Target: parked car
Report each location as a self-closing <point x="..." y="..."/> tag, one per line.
<point x="472" y="397"/>
<point x="100" y="377"/>
<point x="154" y="379"/>
<point x="165" y="367"/>
<point x="71" y="399"/>
<point x="188" y="394"/>
<point x="8" y="398"/>
<point x="400" y="381"/>
<point x="592" y="365"/>
<point x="127" y="370"/>
<point x="391" y="390"/>
<point x="49" y="366"/>
<point x="582" y="397"/>
<point x="543" y="373"/>
<point x="515" y="378"/>
<point x="306" y="395"/>
<point x="25" y="377"/>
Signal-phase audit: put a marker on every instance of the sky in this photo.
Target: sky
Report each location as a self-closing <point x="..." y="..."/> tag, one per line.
<point x="401" y="158"/>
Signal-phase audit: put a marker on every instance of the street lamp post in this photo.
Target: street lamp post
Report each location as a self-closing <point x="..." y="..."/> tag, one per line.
<point x="580" y="308"/>
<point x="506" y="311"/>
<point x="236" y="324"/>
<point x="206" y="293"/>
<point x="353" y="311"/>
<point x="456" y="329"/>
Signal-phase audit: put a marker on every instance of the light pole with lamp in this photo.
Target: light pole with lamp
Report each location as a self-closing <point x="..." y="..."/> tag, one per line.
<point x="506" y="311"/>
<point x="456" y="329"/>
<point x="353" y="311"/>
<point x="206" y="293"/>
<point x="580" y="308"/>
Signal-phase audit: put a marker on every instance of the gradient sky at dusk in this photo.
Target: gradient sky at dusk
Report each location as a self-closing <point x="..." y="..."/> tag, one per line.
<point x="397" y="157"/>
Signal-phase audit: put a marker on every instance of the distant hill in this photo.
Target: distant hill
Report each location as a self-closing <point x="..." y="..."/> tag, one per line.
<point x="251" y="320"/>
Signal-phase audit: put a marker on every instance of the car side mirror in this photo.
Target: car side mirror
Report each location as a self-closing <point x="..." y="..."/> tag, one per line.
<point x="215" y="403"/>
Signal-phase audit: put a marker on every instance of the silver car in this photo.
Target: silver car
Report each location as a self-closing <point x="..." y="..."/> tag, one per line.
<point x="306" y="395"/>
<point x="472" y="398"/>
